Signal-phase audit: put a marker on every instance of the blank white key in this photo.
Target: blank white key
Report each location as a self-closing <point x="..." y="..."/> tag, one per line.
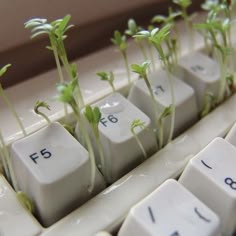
<point x="120" y="148"/>
<point x="14" y="219"/>
<point x="53" y="169"/>
<point x="171" y="210"/>
<point x="201" y="73"/>
<point x="211" y="176"/>
<point x="185" y="101"/>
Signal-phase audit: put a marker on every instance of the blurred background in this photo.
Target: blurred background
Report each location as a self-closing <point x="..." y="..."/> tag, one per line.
<point x="95" y="22"/>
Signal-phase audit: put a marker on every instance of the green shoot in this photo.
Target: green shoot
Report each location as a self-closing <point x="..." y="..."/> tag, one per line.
<point x="69" y="128"/>
<point x="56" y="32"/>
<point x="67" y="95"/>
<point x="3" y="70"/>
<point x="141" y="70"/>
<point x="216" y="30"/>
<point x="119" y="40"/>
<point x="172" y="43"/>
<point x="25" y="201"/>
<point x="109" y="77"/>
<point x="134" y="125"/>
<point x="158" y="37"/>
<point x="6" y="161"/>
<point x="131" y="31"/>
<point x="93" y="116"/>
<point x="184" y="5"/>
<point x="166" y="112"/>
<point x="209" y="104"/>
<point x="40" y="104"/>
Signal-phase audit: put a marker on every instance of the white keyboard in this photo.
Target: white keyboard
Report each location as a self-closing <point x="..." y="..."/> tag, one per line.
<point x="107" y="210"/>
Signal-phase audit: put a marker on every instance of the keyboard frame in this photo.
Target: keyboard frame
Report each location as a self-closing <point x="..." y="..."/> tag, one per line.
<point x="143" y="179"/>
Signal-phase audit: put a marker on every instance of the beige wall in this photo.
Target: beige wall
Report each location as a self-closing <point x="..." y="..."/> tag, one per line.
<point x="13" y="14"/>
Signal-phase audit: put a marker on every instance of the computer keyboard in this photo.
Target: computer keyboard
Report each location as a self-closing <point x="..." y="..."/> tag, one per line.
<point x="107" y="210"/>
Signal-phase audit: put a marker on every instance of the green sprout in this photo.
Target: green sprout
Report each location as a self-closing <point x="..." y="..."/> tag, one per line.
<point x="25" y="201"/>
<point x="66" y="95"/>
<point x="158" y="38"/>
<point x="209" y="104"/>
<point x="184" y="5"/>
<point x="43" y="104"/>
<point x="134" y="125"/>
<point x="109" y="77"/>
<point x="119" y="40"/>
<point x="216" y="30"/>
<point x="93" y="116"/>
<point x="141" y="70"/>
<point x="56" y="32"/>
<point x="166" y="112"/>
<point x="3" y="70"/>
<point x="131" y="31"/>
<point x="171" y="43"/>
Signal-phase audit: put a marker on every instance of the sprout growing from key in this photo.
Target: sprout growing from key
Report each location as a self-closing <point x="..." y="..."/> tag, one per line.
<point x="109" y="77"/>
<point x="3" y="70"/>
<point x="5" y="155"/>
<point x="133" y="28"/>
<point x="119" y="40"/>
<point x="56" y="32"/>
<point x="158" y="38"/>
<point x="184" y="5"/>
<point x="209" y="104"/>
<point x="141" y="70"/>
<point x="93" y="116"/>
<point x="42" y="104"/>
<point x="141" y="125"/>
<point x="216" y="30"/>
<point x="67" y="91"/>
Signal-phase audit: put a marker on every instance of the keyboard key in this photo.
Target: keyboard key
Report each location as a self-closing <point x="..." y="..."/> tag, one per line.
<point x="53" y="169"/>
<point x="184" y="101"/>
<point x="116" y="136"/>
<point x="211" y="176"/>
<point x="201" y="73"/>
<point x="15" y="220"/>
<point x="171" y="210"/>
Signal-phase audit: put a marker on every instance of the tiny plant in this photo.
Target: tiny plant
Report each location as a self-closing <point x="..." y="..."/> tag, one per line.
<point x="158" y="38"/>
<point x="67" y="95"/>
<point x="56" y="32"/>
<point x="184" y="5"/>
<point x="217" y="31"/>
<point x="42" y="104"/>
<point x="93" y="116"/>
<point x="134" y="125"/>
<point x="119" y="40"/>
<point x="141" y="70"/>
<point x="109" y="77"/>
<point x="3" y="70"/>
<point x="209" y="104"/>
<point x="133" y="28"/>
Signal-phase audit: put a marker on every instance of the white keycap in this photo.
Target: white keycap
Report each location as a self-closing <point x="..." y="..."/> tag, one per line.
<point x="211" y="176"/>
<point x="185" y="103"/>
<point x="121" y="150"/>
<point x="14" y="219"/>
<point x="171" y="210"/>
<point x="201" y="73"/>
<point x="53" y="169"/>
<point x="231" y="136"/>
